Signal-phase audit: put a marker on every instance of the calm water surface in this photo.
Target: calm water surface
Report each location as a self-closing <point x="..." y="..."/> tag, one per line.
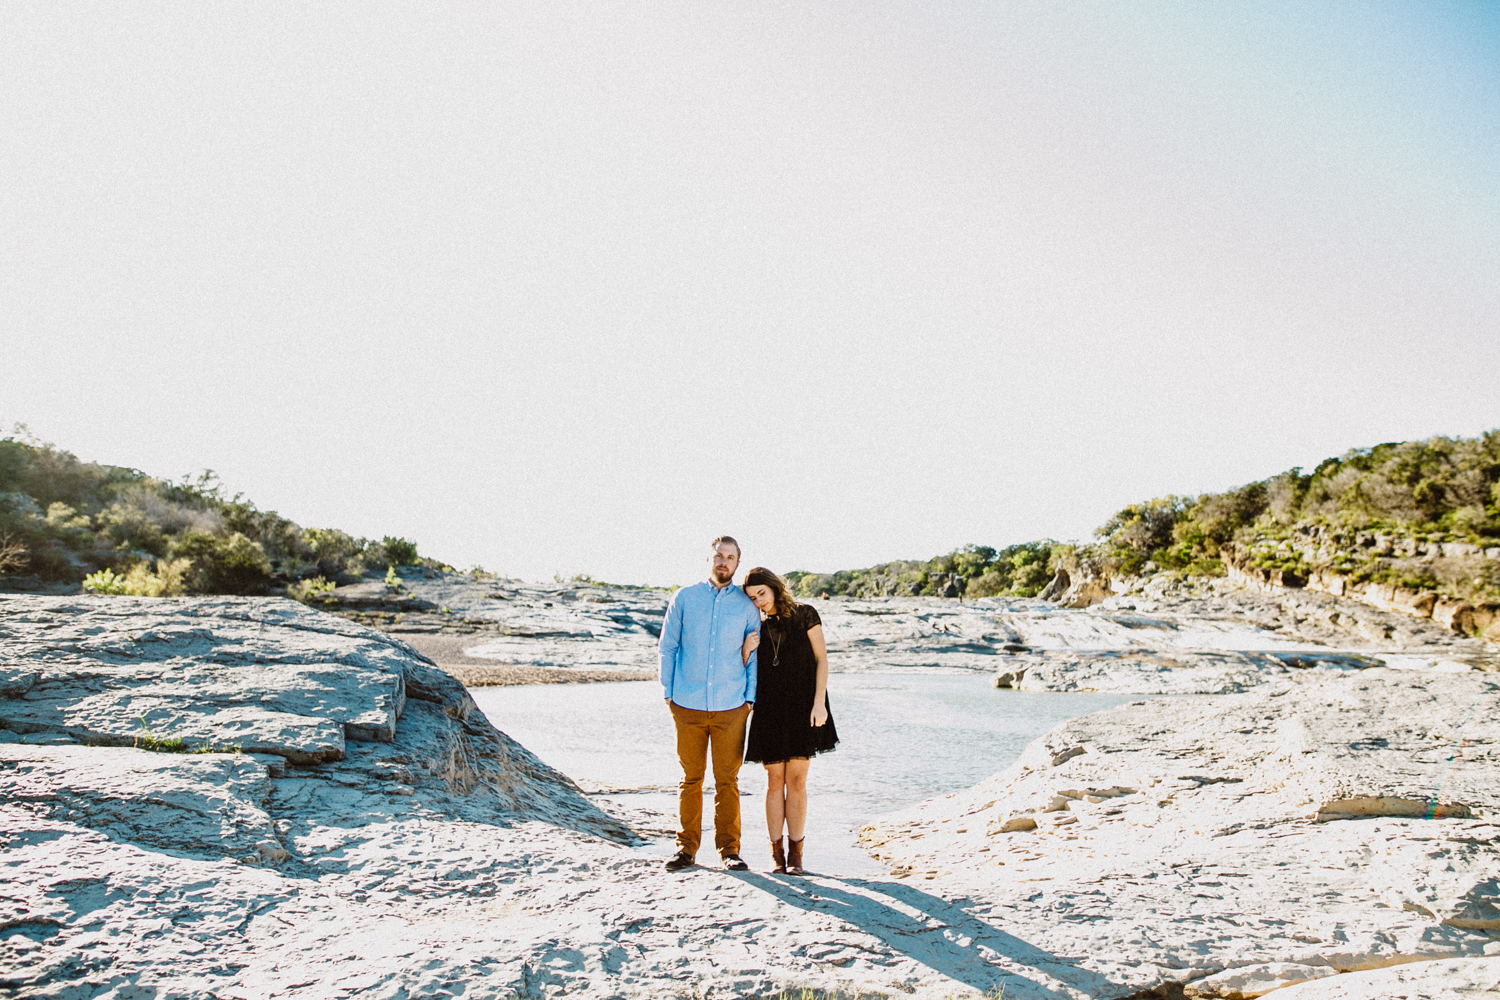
<point x="902" y="738"/>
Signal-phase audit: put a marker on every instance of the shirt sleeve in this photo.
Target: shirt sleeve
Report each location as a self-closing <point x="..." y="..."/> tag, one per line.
<point x="810" y="617"/>
<point x="671" y="640"/>
<point x="752" y="665"/>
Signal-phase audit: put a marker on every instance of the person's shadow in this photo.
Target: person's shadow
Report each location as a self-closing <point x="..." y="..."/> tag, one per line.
<point x="938" y="934"/>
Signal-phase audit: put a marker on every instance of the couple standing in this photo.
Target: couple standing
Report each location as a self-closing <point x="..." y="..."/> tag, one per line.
<point x="716" y="677"/>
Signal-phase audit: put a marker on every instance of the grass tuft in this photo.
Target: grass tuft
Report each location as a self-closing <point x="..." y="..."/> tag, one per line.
<point x="148" y="740"/>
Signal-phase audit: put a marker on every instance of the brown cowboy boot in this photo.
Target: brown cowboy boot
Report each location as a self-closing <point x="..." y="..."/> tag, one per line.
<point x="778" y="855"/>
<point x="794" y="856"/>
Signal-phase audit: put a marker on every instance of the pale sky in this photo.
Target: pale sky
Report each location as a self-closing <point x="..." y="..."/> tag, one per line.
<point x="574" y="287"/>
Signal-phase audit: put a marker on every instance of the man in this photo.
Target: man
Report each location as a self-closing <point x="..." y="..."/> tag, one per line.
<point x="710" y="690"/>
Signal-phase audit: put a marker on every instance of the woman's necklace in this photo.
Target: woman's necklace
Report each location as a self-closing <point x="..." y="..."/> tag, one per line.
<point x="776" y="647"/>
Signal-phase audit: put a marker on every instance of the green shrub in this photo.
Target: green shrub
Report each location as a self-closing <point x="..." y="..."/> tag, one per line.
<point x="988" y="584"/>
<point x="233" y="565"/>
<point x="1142" y="528"/>
<point x="106" y="581"/>
<point x="338" y="554"/>
<point x="168" y="579"/>
<point x="129" y="527"/>
<point x="307" y="590"/>
<point x="979" y="570"/>
<point x="147" y="740"/>
<point x="1030" y="579"/>
<point x="399" y="551"/>
<point x="13" y="552"/>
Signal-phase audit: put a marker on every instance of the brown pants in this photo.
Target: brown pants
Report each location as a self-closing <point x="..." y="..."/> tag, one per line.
<point x="695" y="731"/>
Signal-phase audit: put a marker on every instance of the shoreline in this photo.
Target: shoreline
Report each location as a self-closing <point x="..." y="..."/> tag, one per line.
<point x="446" y="651"/>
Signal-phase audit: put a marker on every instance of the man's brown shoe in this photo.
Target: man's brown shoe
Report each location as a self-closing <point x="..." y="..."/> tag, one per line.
<point x="679" y="861"/>
<point x="735" y="863"/>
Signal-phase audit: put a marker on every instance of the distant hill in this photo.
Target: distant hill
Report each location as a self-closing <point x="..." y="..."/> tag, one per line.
<point x="118" y="530"/>
<point x="1418" y="514"/>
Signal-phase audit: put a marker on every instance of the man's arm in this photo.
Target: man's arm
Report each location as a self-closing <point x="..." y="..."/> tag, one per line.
<point x="671" y="639"/>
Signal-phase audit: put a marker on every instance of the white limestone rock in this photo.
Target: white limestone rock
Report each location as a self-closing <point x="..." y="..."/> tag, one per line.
<point x="130" y="872"/>
<point x="1257" y="980"/>
<point x="1163" y="637"/>
<point x="1336" y="822"/>
<point x="1443" y="979"/>
<point x="1227" y="843"/>
<point x="15" y="682"/>
<point x="264" y="675"/>
<point x="205" y="803"/>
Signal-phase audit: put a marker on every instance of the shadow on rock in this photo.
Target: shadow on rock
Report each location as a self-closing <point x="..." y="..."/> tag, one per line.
<point x="939" y="934"/>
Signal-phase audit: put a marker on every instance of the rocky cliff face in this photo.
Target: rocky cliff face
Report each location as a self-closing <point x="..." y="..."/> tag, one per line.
<point x="1373" y="571"/>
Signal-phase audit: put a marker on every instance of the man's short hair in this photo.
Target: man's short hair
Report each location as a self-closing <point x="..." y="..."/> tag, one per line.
<point x="724" y="540"/>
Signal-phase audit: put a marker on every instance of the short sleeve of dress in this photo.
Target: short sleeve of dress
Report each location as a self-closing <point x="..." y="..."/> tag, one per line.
<point x="810" y="617"/>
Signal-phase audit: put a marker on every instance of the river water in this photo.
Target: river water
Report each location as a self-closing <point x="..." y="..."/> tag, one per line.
<point x="903" y="738"/>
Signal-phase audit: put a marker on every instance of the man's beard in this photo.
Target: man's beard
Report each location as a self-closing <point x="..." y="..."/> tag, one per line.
<point x="723" y="578"/>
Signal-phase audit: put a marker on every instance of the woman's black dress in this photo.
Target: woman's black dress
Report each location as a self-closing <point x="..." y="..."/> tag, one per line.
<point x="787" y="681"/>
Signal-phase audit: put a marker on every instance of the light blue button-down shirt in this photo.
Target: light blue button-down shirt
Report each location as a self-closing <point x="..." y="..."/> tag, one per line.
<point x="700" y="648"/>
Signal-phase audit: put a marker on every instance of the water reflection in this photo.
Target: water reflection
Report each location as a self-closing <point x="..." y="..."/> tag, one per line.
<point x="907" y="737"/>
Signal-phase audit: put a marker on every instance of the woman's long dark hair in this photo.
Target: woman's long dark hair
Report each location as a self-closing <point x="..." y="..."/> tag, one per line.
<point x="780" y="592"/>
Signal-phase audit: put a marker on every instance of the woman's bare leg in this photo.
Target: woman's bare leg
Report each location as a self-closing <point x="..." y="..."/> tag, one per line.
<point x="775" y="799"/>
<point x="796" y="796"/>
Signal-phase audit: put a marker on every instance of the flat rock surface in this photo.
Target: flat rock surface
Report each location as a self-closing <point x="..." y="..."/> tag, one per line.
<point x="447" y="650"/>
<point x="445" y="861"/>
<point x="1325" y="820"/>
<point x="191" y="802"/>
<point x="259" y="674"/>
<point x="1238" y="843"/>
<point x="1444" y="979"/>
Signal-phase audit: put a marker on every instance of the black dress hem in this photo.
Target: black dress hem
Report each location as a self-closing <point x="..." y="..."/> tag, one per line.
<point x="780" y="729"/>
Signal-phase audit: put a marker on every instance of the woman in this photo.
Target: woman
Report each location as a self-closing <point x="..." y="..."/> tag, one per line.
<point x="791" y="721"/>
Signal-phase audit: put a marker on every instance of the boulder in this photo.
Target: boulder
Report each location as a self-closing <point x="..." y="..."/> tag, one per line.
<point x="1057" y="586"/>
<point x="14" y="682"/>
<point x="264" y="675"/>
<point x="1088" y="585"/>
<point x="1455" y="615"/>
<point x="1486" y="617"/>
<point x="1009" y="678"/>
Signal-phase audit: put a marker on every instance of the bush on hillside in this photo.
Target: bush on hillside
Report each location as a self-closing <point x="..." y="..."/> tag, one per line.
<point x="13" y="554"/>
<point x="1400" y="497"/>
<point x="338" y="554"/>
<point x="1411" y="494"/>
<point x="63" y="520"/>
<point x="398" y="551"/>
<point x="220" y="565"/>
<point x="972" y="571"/>
<point x="168" y="579"/>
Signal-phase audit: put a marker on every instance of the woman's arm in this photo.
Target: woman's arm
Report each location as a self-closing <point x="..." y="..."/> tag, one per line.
<point x="820" y="652"/>
<point x="752" y="640"/>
